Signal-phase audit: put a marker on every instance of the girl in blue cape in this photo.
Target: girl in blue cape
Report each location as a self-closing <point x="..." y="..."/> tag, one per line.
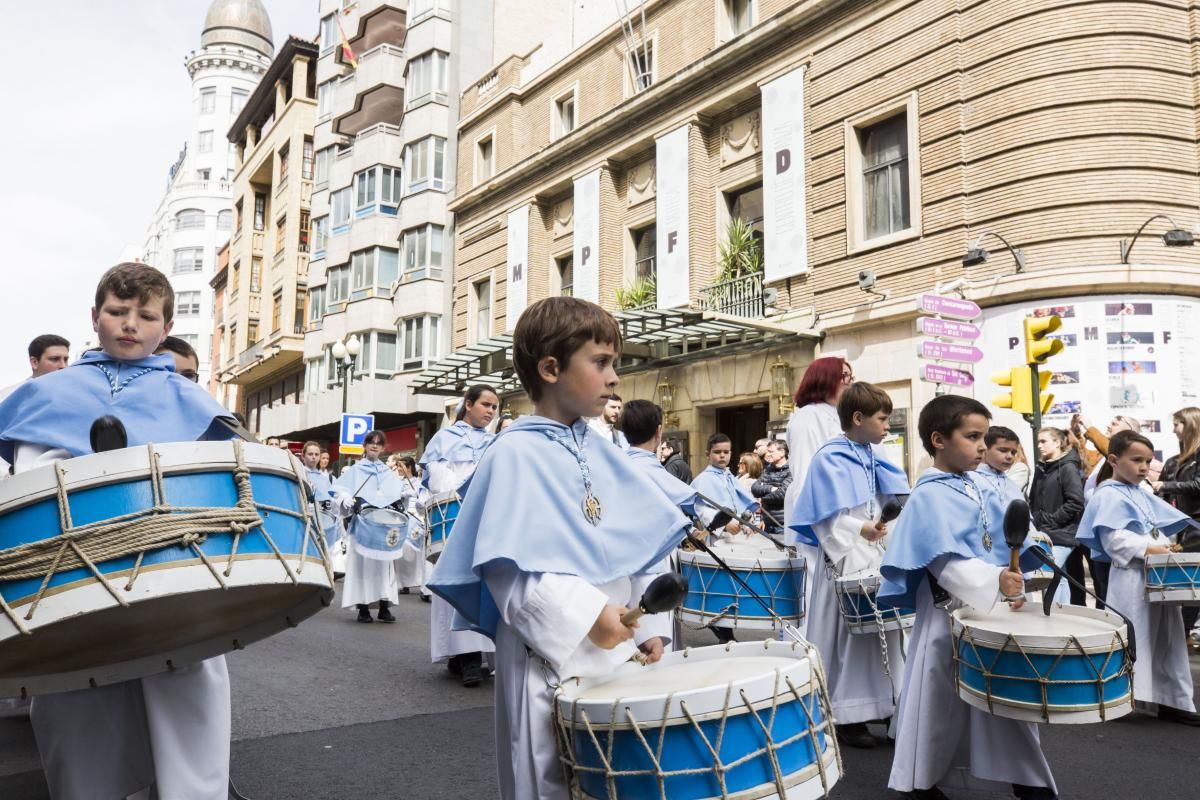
<point x="951" y="531"/>
<point x="332" y="505"/>
<point x="558" y="534"/>
<point x="717" y="483"/>
<point x="838" y="511"/>
<point x="1123" y="524"/>
<point x="449" y="461"/>
<point x="369" y="578"/>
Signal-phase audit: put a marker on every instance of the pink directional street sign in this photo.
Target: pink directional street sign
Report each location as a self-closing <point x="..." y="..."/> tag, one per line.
<point x="949" y="306"/>
<point x="946" y="351"/>
<point x="948" y="328"/>
<point x="935" y="373"/>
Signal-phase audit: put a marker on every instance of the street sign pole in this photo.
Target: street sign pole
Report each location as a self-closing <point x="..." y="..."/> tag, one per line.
<point x="1036" y="417"/>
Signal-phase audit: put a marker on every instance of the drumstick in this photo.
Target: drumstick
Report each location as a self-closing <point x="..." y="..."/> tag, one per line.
<point x="731" y="515"/>
<point x="108" y="433"/>
<point x="665" y="593"/>
<point x="1016" y="528"/>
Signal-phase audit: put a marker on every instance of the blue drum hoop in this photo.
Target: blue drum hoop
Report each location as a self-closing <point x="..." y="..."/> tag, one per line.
<point x="1173" y="579"/>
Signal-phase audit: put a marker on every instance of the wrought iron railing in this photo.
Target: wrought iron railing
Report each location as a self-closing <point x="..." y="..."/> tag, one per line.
<point x="739" y="297"/>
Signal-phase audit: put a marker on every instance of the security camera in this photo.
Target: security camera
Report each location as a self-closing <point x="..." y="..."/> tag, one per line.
<point x="866" y="280"/>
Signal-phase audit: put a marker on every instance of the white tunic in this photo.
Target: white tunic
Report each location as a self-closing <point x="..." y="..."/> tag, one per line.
<point x="1161" y="674"/>
<point x="172" y="729"/>
<point x="859" y="687"/>
<point x="542" y="637"/>
<point x="940" y="740"/>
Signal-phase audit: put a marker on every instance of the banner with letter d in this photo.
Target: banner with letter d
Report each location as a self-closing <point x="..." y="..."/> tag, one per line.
<point x="785" y="226"/>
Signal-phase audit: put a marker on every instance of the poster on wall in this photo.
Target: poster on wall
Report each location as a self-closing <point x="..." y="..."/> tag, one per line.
<point x="518" y="265"/>
<point x="586" y="251"/>
<point x="671" y="207"/>
<point x="784" y="228"/>
<point x="1123" y="355"/>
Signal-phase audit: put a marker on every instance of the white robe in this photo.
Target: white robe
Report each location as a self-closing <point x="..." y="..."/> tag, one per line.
<point x="1161" y="673"/>
<point x="368" y="580"/>
<point x="172" y="729"/>
<point x="808" y="429"/>
<point x="940" y="740"/>
<point x="859" y="687"/>
<point x="542" y="638"/>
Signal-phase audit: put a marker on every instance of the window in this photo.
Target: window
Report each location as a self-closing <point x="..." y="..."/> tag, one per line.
<point x="224" y="220"/>
<point x="329" y="32"/>
<point x="237" y="216"/>
<point x="338" y="281"/>
<point x="260" y="211"/>
<point x="739" y="16"/>
<point x="362" y="270"/>
<point x="256" y="274"/>
<point x="426" y="74"/>
<point x="235" y="272"/>
<point x="565" y="267"/>
<point x="390" y="186"/>
<point x="205" y="142"/>
<point x="426" y="164"/>
<point x="237" y="100"/>
<point x="304" y="230"/>
<point x="883" y="173"/>
<point x="280" y="227"/>
<point x="316" y="304"/>
<point x="324" y="158"/>
<point x="417" y="8"/>
<point x="645" y="248"/>
<point x="306" y="163"/>
<point x="564" y="115"/>
<point x="188" y="260"/>
<point x="485" y="152"/>
<point x="208" y="101"/>
<point x="320" y="232"/>
<point x="364" y="188"/>
<point x="419" y="341"/>
<point x="276" y="311"/>
<point x="641" y="66"/>
<point x="340" y="205"/>
<point x="422" y="252"/>
<point x="284" y="152"/>
<point x="191" y="338"/>
<point x="299" y="310"/>
<point x="483" y="309"/>
<point x="189" y="219"/>
<point x="203" y="174"/>
<point x="187" y="304"/>
<point x="251" y="331"/>
<point x="324" y="99"/>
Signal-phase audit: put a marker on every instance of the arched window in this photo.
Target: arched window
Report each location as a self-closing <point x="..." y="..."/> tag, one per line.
<point x="189" y="218"/>
<point x="225" y="220"/>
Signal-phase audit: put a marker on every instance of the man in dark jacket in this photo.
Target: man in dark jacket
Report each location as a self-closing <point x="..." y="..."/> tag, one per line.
<point x="675" y="463"/>
<point x="772" y="485"/>
<point x="1056" y="501"/>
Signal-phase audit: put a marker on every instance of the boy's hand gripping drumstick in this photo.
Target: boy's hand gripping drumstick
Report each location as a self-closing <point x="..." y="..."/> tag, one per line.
<point x="665" y="593"/>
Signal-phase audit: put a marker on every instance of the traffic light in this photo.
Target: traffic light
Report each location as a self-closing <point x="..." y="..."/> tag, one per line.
<point x="1037" y="347"/>
<point x="1020" y="399"/>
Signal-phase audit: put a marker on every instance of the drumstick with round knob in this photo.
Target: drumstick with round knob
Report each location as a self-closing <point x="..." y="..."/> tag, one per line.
<point x="108" y="433"/>
<point x="665" y="593"/>
<point x="1016" y="528"/>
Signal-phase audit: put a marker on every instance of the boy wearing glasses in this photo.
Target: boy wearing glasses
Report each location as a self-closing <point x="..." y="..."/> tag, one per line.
<point x="187" y="363"/>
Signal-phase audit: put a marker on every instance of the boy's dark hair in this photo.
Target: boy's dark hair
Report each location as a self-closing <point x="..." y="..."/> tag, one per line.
<point x="716" y="439"/>
<point x="39" y="345"/>
<point x="557" y="327"/>
<point x="865" y="398"/>
<point x="311" y="443"/>
<point x="780" y="444"/>
<point x="1123" y="440"/>
<point x="180" y="347"/>
<point x="640" y="420"/>
<point x="472" y="397"/>
<point x="376" y="437"/>
<point x="131" y="280"/>
<point x="945" y="415"/>
<point x="999" y="433"/>
<point x="615" y="396"/>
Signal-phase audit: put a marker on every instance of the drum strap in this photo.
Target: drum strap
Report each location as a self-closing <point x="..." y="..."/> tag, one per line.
<point x="941" y="597"/>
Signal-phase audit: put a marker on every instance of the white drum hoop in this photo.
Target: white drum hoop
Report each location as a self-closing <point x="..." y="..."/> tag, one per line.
<point x="866" y="584"/>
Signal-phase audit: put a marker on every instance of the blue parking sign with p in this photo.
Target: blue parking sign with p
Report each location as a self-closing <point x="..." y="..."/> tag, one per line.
<point x="355" y="428"/>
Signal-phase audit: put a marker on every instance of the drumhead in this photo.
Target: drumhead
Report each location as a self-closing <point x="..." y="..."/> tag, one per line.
<point x="1173" y="559"/>
<point x="1091" y="627"/>
<point x="386" y="516"/>
<point x="867" y="579"/>
<point x="682" y="676"/>
<point x="743" y="556"/>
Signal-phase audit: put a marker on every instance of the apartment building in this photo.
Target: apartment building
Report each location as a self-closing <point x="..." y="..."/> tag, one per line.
<point x="753" y="183"/>
<point x="266" y="285"/>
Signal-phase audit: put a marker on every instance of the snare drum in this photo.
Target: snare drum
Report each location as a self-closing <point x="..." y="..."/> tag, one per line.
<point x="856" y="592"/>
<point x="743" y="720"/>
<point x="332" y="526"/>
<point x="1173" y="579"/>
<point x="380" y="533"/>
<point x="231" y="554"/>
<point x="1071" y="667"/>
<point x="443" y="511"/>
<point x="1040" y="578"/>
<point x="715" y="598"/>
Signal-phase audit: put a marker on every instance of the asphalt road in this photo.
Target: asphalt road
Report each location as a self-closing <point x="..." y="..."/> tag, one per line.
<point x="335" y="710"/>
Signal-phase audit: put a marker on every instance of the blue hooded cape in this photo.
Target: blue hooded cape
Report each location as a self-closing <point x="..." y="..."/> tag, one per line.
<point x="678" y="492"/>
<point x="374" y="482"/>
<point x="457" y="443"/>
<point x="720" y="486"/>
<point x="322" y="488"/>
<point x="524" y="506"/>
<point x="1003" y="485"/>
<point x="837" y="482"/>
<point x="1118" y="506"/>
<point x="939" y="520"/>
<point x="57" y="410"/>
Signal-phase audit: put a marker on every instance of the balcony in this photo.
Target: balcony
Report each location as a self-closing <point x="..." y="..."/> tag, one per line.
<point x="373" y="93"/>
<point x="739" y="297"/>
<point x="379" y="396"/>
<point x="268" y="358"/>
<point x="379" y="144"/>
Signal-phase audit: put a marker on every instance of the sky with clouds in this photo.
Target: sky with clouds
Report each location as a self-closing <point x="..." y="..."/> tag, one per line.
<point x="96" y="108"/>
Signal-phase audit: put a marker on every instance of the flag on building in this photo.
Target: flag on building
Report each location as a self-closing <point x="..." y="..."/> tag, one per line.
<point x="347" y="53"/>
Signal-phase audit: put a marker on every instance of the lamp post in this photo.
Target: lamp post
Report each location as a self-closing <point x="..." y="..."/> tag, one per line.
<point x="1174" y="237"/>
<point x="977" y="254"/>
<point x="666" y="401"/>
<point x="345" y="354"/>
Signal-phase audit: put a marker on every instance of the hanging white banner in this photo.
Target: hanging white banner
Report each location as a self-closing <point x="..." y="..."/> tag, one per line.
<point x="671" y="205"/>
<point x="587" y="237"/>
<point x="785" y="228"/>
<point x="518" y="265"/>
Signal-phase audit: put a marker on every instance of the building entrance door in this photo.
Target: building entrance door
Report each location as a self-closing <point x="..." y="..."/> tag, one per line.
<point x="745" y="425"/>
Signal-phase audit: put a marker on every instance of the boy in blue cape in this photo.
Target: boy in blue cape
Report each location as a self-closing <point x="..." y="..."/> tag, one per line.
<point x="449" y="460"/>
<point x="717" y="483"/>
<point x="171" y="729"/>
<point x="1122" y="524"/>
<point x="641" y="421"/>
<point x="557" y="535"/>
<point x="951" y="531"/>
<point x="838" y="512"/>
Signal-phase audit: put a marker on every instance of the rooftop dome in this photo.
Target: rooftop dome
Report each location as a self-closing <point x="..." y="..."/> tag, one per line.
<point x="238" y="22"/>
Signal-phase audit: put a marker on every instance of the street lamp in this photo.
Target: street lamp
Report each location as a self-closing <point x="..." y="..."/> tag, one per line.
<point x="1175" y="237"/>
<point x="976" y="254"/>
<point x="344" y="356"/>
<point x="666" y="401"/>
<point x="782" y="386"/>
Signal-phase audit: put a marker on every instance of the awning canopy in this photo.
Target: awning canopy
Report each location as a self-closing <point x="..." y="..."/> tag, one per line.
<point x="654" y="338"/>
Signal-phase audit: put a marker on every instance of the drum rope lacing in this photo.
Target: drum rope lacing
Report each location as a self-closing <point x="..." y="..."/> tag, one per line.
<point x="773" y="596"/>
<point x="1158" y="577"/>
<point x="814" y="697"/>
<point x="161" y="525"/>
